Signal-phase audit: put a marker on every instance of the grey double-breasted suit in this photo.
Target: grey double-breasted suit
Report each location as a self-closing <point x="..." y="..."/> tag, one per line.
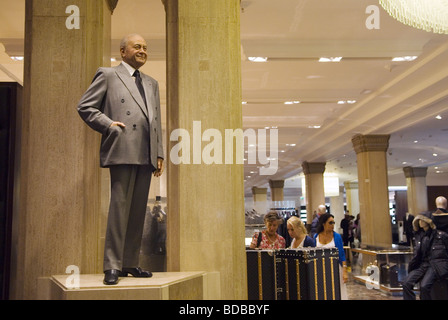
<point x="113" y="96"/>
<point x="130" y="153"/>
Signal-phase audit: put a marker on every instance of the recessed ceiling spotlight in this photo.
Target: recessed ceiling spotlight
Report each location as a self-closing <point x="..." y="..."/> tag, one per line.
<point x="330" y="59"/>
<point x="439" y="117"/>
<point x="346" y="101"/>
<point x="435" y="154"/>
<point x="404" y="58"/>
<point x="258" y="59"/>
<point x="244" y="102"/>
<point x="415" y="141"/>
<point x="314" y="77"/>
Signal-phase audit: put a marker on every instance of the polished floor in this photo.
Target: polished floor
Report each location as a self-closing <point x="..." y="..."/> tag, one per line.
<point x="359" y="291"/>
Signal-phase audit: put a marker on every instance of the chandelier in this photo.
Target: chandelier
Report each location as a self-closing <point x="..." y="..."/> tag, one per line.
<point x="428" y="15"/>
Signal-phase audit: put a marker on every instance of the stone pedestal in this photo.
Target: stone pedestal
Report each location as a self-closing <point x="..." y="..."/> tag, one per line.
<point x="161" y="286"/>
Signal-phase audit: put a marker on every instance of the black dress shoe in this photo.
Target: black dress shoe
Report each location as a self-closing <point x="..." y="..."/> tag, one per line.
<point x="111" y="277"/>
<point x="136" y="272"/>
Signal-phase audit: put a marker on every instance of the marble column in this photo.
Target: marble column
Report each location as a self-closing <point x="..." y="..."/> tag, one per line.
<point x="205" y="194"/>
<point x="352" y="197"/>
<point x="276" y="189"/>
<point x="373" y="189"/>
<point x="416" y="189"/>
<point x="58" y="213"/>
<point x="314" y="184"/>
<point x="260" y="194"/>
<point x="337" y="208"/>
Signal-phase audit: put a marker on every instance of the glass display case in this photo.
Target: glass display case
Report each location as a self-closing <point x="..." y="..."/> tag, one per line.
<point x="381" y="268"/>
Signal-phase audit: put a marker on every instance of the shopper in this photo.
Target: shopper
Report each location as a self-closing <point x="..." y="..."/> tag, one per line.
<point x="269" y="238"/>
<point x="298" y="234"/>
<point x="326" y="237"/>
<point x="321" y="209"/>
<point x="408" y="228"/>
<point x="345" y="225"/>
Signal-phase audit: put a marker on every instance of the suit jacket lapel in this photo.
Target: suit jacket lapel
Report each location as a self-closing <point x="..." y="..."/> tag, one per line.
<point x="129" y="83"/>
<point x="147" y="85"/>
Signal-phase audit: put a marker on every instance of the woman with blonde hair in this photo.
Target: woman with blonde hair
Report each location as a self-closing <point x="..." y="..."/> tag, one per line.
<point x="297" y="232"/>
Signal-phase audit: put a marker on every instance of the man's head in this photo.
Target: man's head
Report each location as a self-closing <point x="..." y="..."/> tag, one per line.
<point x="133" y="49"/>
<point x="321" y="209"/>
<point x="441" y="202"/>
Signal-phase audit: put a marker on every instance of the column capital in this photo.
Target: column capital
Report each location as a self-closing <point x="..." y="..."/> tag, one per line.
<point x="413" y="172"/>
<point x="256" y="190"/>
<point x="276" y="183"/>
<point x="313" y="167"/>
<point x="351" y="185"/>
<point x="370" y="142"/>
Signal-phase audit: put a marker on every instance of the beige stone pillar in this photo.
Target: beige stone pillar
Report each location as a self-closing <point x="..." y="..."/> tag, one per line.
<point x="373" y="189"/>
<point x="276" y="189"/>
<point x="314" y="184"/>
<point x="352" y="197"/>
<point x="57" y="218"/>
<point x="205" y="201"/>
<point x="337" y="208"/>
<point x="260" y="194"/>
<point x="417" y="189"/>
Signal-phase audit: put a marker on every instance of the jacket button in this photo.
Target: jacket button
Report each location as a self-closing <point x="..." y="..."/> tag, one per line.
<point x="122" y="100"/>
<point x="128" y="113"/>
<point x="134" y="126"/>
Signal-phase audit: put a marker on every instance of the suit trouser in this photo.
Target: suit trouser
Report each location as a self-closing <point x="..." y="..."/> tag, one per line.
<point x="127" y="210"/>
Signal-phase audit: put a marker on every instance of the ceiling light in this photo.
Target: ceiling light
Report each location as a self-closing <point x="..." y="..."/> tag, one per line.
<point x="244" y="102"/>
<point x="330" y="59"/>
<point x="439" y="117"/>
<point x="292" y="102"/>
<point x="346" y="101"/>
<point x="17" y="58"/>
<point x="420" y="14"/>
<point x="435" y="154"/>
<point x="314" y="127"/>
<point x="258" y="59"/>
<point x="415" y="141"/>
<point x="405" y="58"/>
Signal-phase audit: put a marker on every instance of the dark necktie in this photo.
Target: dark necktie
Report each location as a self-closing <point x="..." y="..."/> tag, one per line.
<point x="138" y="82"/>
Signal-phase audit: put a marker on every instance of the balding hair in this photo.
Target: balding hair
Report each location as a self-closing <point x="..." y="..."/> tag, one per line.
<point x="441" y="202"/>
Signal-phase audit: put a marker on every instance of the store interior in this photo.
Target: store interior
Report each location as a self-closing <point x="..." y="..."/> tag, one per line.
<point x="315" y="74"/>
